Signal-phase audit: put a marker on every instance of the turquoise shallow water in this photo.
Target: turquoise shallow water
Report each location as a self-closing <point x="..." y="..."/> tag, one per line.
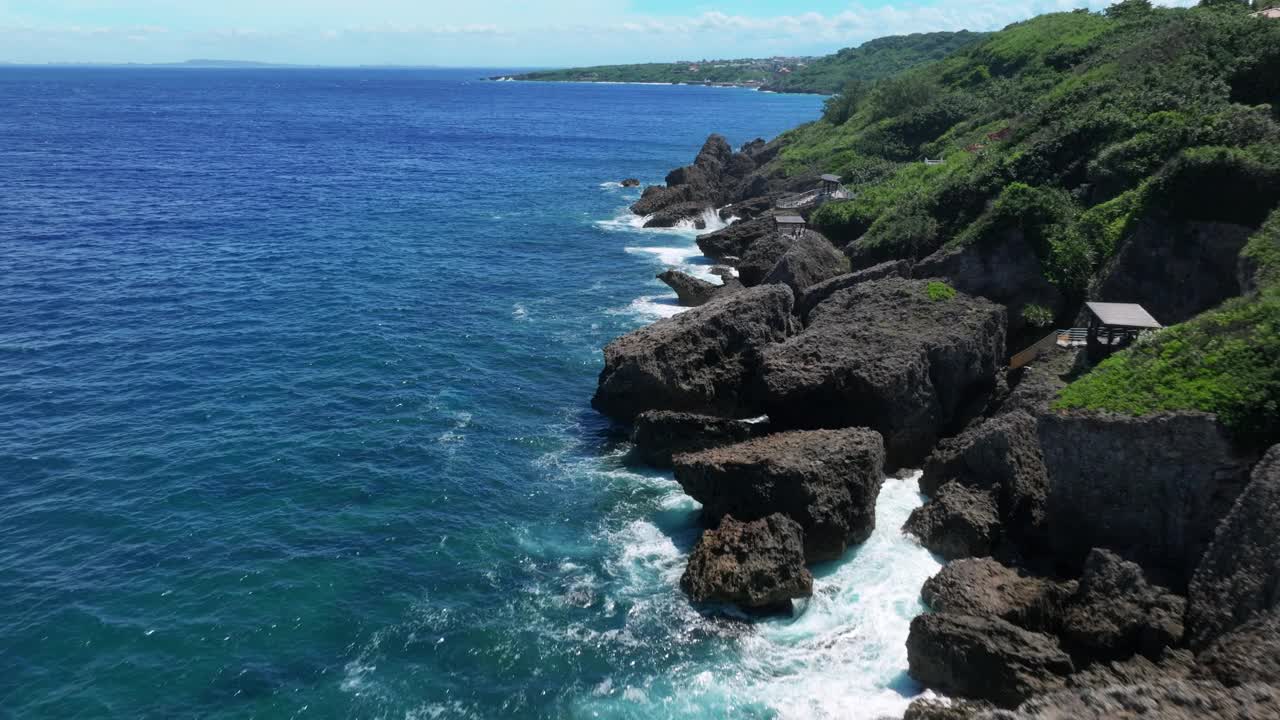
<point x="294" y="422"/>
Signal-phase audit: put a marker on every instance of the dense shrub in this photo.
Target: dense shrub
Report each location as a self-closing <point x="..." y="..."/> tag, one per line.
<point x="1037" y="315"/>
<point x="1262" y="254"/>
<point x="1223" y="361"/>
<point x="940" y="291"/>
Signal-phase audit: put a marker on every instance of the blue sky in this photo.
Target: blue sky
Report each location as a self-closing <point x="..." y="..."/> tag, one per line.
<point x="494" y="33"/>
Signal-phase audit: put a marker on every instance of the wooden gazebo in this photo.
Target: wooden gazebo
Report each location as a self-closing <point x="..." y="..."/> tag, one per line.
<point x="792" y="226"/>
<point x="1115" y="325"/>
<point x="830" y="184"/>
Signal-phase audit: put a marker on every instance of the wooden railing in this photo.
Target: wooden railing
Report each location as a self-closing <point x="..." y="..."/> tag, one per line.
<point x="1048" y="342"/>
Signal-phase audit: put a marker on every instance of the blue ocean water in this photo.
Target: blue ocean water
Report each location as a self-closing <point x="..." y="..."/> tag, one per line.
<point x="294" y="381"/>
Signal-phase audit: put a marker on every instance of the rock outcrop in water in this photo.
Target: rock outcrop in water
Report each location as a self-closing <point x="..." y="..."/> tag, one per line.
<point x="735" y="239"/>
<point x="661" y="434"/>
<point x="758" y="565"/>
<point x="718" y="176"/>
<point x="884" y="355"/>
<point x="692" y="291"/>
<point x="705" y="360"/>
<point x="826" y="480"/>
<point x="985" y="658"/>
<point x="958" y="522"/>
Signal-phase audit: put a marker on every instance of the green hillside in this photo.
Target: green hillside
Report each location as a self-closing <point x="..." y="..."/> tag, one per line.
<point x="826" y="75"/>
<point x="872" y="60"/>
<point x="1069" y="131"/>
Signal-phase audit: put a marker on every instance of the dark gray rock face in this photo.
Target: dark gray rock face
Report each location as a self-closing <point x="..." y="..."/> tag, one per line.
<point x="1249" y="653"/>
<point x="660" y="434"/>
<point x="734" y="240"/>
<point x="1174" y="269"/>
<point x="826" y="480"/>
<point x="984" y="588"/>
<point x="758" y="566"/>
<point x="748" y="209"/>
<point x="1135" y="670"/>
<point x="958" y="522"/>
<point x="1170" y="700"/>
<point x="1002" y="454"/>
<point x="1116" y="613"/>
<point x="1007" y="272"/>
<point x="925" y="709"/>
<point x="984" y="658"/>
<point x="809" y="261"/>
<point x="715" y="178"/>
<point x="881" y="354"/>
<point x="1152" y="488"/>
<point x="1239" y="576"/>
<point x="815" y="294"/>
<point x="676" y="213"/>
<point x="761" y="257"/>
<point x="690" y="291"/>
<point x="703" y="360"/>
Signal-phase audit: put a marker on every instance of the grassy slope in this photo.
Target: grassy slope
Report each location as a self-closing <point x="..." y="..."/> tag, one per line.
<point x="1074" y="127"/>
<point x="875" y="59"/>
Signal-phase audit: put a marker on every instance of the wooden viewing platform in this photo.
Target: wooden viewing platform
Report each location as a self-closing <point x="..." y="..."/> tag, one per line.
<point x="1111" y="326"/>
<point x="792" y="226"/>
<point x="829" y="189"/>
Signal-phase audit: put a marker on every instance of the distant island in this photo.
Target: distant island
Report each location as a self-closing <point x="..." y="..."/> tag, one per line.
<point x="824" y="75"/>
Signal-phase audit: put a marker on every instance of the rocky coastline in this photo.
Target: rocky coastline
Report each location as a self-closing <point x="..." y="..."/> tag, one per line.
<point x="1099" y="565"/>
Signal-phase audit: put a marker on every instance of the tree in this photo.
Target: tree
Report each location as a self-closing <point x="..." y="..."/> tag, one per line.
<point x="840" y="107"/>
<point x="1127" y="9"/>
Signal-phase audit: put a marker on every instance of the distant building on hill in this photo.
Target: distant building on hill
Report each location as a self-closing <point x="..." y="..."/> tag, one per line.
<point x="1272" y="13"/>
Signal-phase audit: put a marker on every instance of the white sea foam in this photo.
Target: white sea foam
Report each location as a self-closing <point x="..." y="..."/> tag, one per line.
<point x="842" y="656"/>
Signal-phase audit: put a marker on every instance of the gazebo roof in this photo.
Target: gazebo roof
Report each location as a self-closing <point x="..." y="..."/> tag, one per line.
<point x="831" y="178"/>
<point x="789" y="220"/>
<point x="1125" y="315"/>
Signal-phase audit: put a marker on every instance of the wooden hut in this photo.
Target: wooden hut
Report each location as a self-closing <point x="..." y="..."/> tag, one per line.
<point x="792" y="226"/>
<point x="1115" y="325"/>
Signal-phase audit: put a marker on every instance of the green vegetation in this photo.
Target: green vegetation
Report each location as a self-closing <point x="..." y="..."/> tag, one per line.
<point x="940" y="291"/>
<point x="873" y="60"/>
<point x="1066" y="131"/>
<point x="1223" y="361"/>
<point x="1037" y="315"/>
<point x="1069" y="133"/>
<point x="870" y="61"/>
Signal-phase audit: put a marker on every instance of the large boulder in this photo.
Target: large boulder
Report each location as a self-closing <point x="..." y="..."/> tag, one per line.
<point x="761" y="257"/>
<point x="826" y="480"/>
<point x="1001" y="454"/>
<point x="1116" y="613"/>
<point x="758" y="565"/>
<point x="985" y="588"/>
<point x="692" y="212"/>
<point x="885" y="355"/>
<point x="1239" y="576"/>
<point x="712" y="180"/>
<point x="1249" y="653"/>
<point x="1161" y="700"/>
<point x="1150" y="488"/>
<point x="928" y="708"/>
<point x="958" y="522"/>
<point x="692" y="291"/>
<point x="704" y="360"/>
<point x="1005" y="270"/>
<point x="735" y="239"/>
<point x="984" y="658"/>
<point x="659" y="435"/>
<point x="817" y="293"/>
<point x="810" y="260"/>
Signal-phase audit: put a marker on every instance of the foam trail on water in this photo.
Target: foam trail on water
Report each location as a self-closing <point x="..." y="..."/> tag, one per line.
<point x="678" y="251"/>
<point x="843" y="656"/>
